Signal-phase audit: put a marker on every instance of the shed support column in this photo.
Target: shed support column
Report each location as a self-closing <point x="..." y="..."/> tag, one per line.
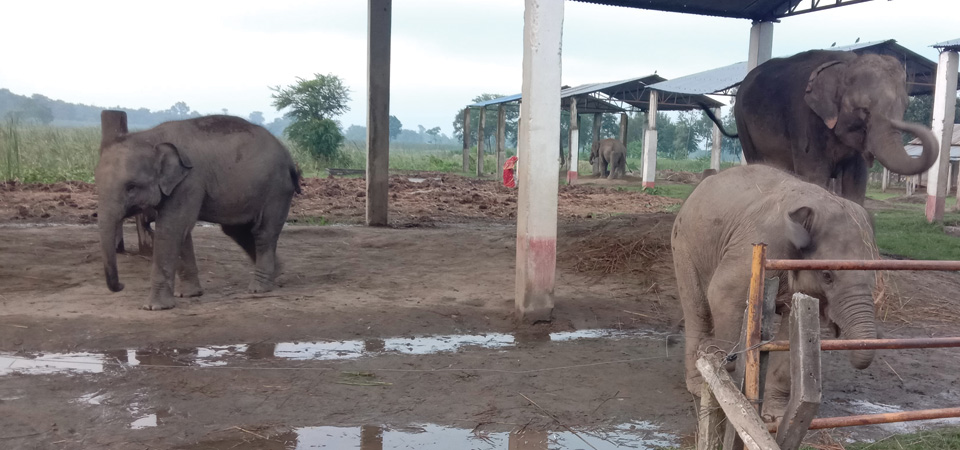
<point x="715" y="149"/>
<point x="481" y="139"/>
<point x="761" y="44"/>
<point x="538" y="165"/>
<point x="574" y="143"/>
<point x="650" y="144"/>
<point x="944" y="101"/>
<point x="623" y="128"/>
<point x="466" y="139"/>
<point x="378" y="110"/>
<point x="597" y="119"/>
<point x="886" y="179"/>
<point x="501" y="139"/>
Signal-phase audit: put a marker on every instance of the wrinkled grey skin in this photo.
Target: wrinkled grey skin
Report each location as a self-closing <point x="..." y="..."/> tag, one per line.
<point x="612" y="156"/>
<point x="827" y="114"/>
<point x="712" y="243"/>
<point x="218" y="169"/>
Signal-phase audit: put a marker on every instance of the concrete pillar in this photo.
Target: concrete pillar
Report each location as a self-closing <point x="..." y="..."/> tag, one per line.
<point x="378" y="110"/>
<point x="944" y="101"/>
<point x="650" y="144"/>
<point x="501" y="139"/>
<point x="466" y="139"/>
<point x="885" y="180"/>
<point x="538" y="165"/>
<point x="761" y="44"/>
<point x="597" y="119"/>
<point x="715" y="149"/>
<point x="623" y="128"/>
<point x="480" y="140"/>
<point x="574" y="143"/>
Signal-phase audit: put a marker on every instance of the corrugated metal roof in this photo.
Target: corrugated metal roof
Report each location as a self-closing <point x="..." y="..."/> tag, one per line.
<point x="765" y="10"/>
<point x="954" y="44"/>
<point x="497" y="101"/>
<point x="706" y="82"/>
<point x="953" y="142"/>
<point x="920" y="71"/>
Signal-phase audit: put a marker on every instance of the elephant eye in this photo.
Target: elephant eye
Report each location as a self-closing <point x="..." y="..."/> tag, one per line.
<point x="129" y="186"/>
<point x="827" y="277"/>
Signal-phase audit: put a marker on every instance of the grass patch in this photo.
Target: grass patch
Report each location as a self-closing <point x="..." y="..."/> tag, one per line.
<point x="309" y="220"/>
<point x="881" y="196"/>
<point x="38" y="154"/>
<point x="945" y="439"/>
<point x="907" y="233"/>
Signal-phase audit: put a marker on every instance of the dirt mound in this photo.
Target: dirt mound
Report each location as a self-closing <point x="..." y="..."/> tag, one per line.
<point x="677" y="176"/>
<point x="417" y="199"/>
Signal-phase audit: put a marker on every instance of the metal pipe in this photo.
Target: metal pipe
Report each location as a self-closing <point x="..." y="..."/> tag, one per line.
<point x="838" y="264"/>
<point x="873" y="419"/>
<point x="869" y="344"/>
<point x="751" y="374"/>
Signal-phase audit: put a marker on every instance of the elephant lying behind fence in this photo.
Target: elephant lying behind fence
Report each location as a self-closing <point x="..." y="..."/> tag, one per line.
<point x="712" y="242"/>
<point x="612" y="153"/>
<point x="218" y="169"/>
<point x="826" y="115"/>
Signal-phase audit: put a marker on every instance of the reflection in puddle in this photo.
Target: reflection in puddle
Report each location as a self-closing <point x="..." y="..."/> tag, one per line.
<point x="867" y="407"/>
<point x="321" y="351"/>
<point x="635" y="435"/>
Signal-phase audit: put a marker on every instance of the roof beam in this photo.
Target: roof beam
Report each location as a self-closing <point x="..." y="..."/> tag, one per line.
<point x="816" y="5"/>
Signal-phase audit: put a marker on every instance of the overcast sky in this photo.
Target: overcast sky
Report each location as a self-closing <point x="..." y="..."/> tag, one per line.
<point x="225" y="54"/>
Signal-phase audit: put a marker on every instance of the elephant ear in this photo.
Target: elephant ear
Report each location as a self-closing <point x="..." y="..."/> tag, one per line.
<point x="823" y="91"/>
<point x="799" y="223"/>
<point x="174" y="166"/>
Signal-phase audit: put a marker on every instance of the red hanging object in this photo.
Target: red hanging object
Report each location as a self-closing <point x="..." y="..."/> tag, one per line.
<point x="509" y="172"/>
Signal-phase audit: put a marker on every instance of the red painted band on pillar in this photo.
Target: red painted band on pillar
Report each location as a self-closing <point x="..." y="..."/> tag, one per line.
<point x="648" y="184"/>
<point x="934" y="208"/>
<point x="541" y="265"/>
<point x="571" y="176"/>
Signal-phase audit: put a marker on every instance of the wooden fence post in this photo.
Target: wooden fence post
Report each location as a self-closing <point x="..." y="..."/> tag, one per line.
<point x="739" y="411"/>
<point x="805" y="387"/>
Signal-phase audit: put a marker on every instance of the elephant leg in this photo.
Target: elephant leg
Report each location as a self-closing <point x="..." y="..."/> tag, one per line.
<point x="604" y="169"/>
<point x="265" y="234"/>
<point x="697" y="322"/>
<point x="776" y="390"/>
<point x="853" y="181"/>
<point x="172" y="230"/>
<point x="187" y="272"/>
<point x="727" y="295"/>
<point x="243" y="236"/>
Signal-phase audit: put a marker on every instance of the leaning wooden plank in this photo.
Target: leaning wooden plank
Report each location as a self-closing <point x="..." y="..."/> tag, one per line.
<point x="738" y="410"/>
<point x="711" y="416"/>
<point x="731" y="441"/>
<point x="805" y="367"/>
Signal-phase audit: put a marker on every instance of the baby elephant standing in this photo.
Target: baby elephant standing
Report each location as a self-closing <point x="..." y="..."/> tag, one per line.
<point x="712" y="242"/>
<point x="218" y="169"/>
<point x="610" y="152"/>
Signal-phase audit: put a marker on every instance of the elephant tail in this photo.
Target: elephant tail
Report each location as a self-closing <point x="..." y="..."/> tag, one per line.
<point x="715" y="120"/>
<point x="296" y="176"/>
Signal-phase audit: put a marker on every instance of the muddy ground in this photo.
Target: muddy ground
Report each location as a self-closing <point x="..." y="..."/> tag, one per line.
<point x="397" y="337"/>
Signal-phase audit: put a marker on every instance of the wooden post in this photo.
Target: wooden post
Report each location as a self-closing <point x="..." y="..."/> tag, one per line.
<point x="944" y="102"/>
<point x="378" y="110"/>
<point x="597" y="119"/>
<point x="650" y="144"/>
<point x="480" y="140"/>
<point x="624" y="119"/>
<point x="740" y="413"/>
<point x="501" y="140"/>
<point x="709" y="420"/>
<point x="885" y="180"/>
<point x="751" y="382"/>
<point x="466" y="139"/>
<point x="538" y="166"/>
<point x="715" y="148"/>
<point x="805" y="378"/>
<point x="572" y="170"/>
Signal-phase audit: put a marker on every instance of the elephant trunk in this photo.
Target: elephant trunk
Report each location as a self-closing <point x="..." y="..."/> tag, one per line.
<point x="110" y="227"/>
<point x="855" y="317"/>
<point x="886" y="145"/>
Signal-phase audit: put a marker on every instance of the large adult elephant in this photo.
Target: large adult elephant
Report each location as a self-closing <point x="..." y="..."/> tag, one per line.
<point x="712" y="242"/>
<point x="218" y="169"/>
<point x="827" y="114"/>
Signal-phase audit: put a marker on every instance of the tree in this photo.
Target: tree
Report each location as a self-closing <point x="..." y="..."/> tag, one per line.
<point x="434" y="134"/>
<point x="512" y="113"/>
<point x="313" y="105"/>
<point x="179" y="109"/>
<point x="395" y="127"/>
<point x="257" y="118"/>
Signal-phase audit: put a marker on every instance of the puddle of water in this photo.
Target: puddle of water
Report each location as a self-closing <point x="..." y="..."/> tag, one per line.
<point x="51" y="363"/>
<point x="147" y="421"/>
<point x="321" y="351"/>
<point x="867" y="407"/>
<point x="635" y="435"/>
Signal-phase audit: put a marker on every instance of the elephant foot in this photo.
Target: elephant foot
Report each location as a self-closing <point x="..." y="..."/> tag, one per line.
<point x="189" y="290"/>
<point x="258" y="287"/>
<point x="158" y="304"/>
